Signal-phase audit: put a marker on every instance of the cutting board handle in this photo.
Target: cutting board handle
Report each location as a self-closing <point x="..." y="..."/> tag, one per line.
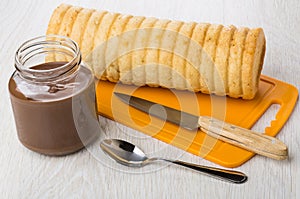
<point x="286" y="96"/>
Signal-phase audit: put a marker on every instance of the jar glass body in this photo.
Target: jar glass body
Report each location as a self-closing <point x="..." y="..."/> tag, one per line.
<point x="53" y="96"/>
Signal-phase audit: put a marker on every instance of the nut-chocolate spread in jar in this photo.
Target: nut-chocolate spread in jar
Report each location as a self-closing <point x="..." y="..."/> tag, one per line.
<point x="54" y="101"/>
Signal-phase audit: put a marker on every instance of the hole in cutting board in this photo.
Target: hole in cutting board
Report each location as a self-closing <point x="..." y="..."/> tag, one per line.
<point x="266" y="119"/>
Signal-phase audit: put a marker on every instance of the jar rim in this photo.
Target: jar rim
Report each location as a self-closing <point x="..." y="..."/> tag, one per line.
<point x="47" y="39"/>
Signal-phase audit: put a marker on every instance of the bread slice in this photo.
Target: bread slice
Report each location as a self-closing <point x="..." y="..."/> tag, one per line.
<point x="100" y="40"/>
<point x="80" y="25"/>
<point x="126" y="46"/>
<point x="152" y="64"/>
<point x="89" y="33"/>
<point x="194" y="55"/>
<point x="179" y="56"/>
<point x="139" y="51"/>
<point x="54" y="25"/>
<point x="113" y="45"/>
<point x="56" y="19"/>
<point x="221" y="60"/>
<point x="66" y="27"/>
<point x="253" y="58"/>
<point x="207" y="57"/>
<point x="235" y="62"/>
<point x="166" y="53"/>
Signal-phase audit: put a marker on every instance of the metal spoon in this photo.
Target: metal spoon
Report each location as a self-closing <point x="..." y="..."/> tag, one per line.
<point x="130" y="155"/>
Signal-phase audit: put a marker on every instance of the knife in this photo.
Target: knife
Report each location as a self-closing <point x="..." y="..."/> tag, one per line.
<point x="244" y="138"/>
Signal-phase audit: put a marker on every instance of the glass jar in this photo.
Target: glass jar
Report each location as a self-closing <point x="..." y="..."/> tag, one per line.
<point x="53" y="96"/>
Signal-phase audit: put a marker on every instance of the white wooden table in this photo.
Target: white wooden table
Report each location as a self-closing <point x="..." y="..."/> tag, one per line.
<point x="25" y="174"/>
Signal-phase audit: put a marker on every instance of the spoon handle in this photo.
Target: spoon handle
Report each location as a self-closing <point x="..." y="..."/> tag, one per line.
<point x="223" y="174"/>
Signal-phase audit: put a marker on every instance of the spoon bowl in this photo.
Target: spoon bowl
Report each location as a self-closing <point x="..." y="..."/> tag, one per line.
<point x="130" y="155"/>
<point x="124" y="152"/>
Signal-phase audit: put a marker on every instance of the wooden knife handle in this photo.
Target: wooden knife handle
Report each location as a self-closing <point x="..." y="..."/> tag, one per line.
<point x="259" y="143"/>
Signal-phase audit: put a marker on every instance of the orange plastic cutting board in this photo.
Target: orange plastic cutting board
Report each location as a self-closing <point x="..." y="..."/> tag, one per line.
<point x="236" y="111"/>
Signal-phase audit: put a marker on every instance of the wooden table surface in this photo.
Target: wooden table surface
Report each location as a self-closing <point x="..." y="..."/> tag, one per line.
<point x="86" y="174"/>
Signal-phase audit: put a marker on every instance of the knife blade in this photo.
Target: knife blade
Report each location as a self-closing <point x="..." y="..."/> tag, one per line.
<point x="252" y="141"/>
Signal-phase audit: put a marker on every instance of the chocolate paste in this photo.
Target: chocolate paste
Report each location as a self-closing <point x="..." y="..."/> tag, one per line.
<point x="55" y="118"/>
